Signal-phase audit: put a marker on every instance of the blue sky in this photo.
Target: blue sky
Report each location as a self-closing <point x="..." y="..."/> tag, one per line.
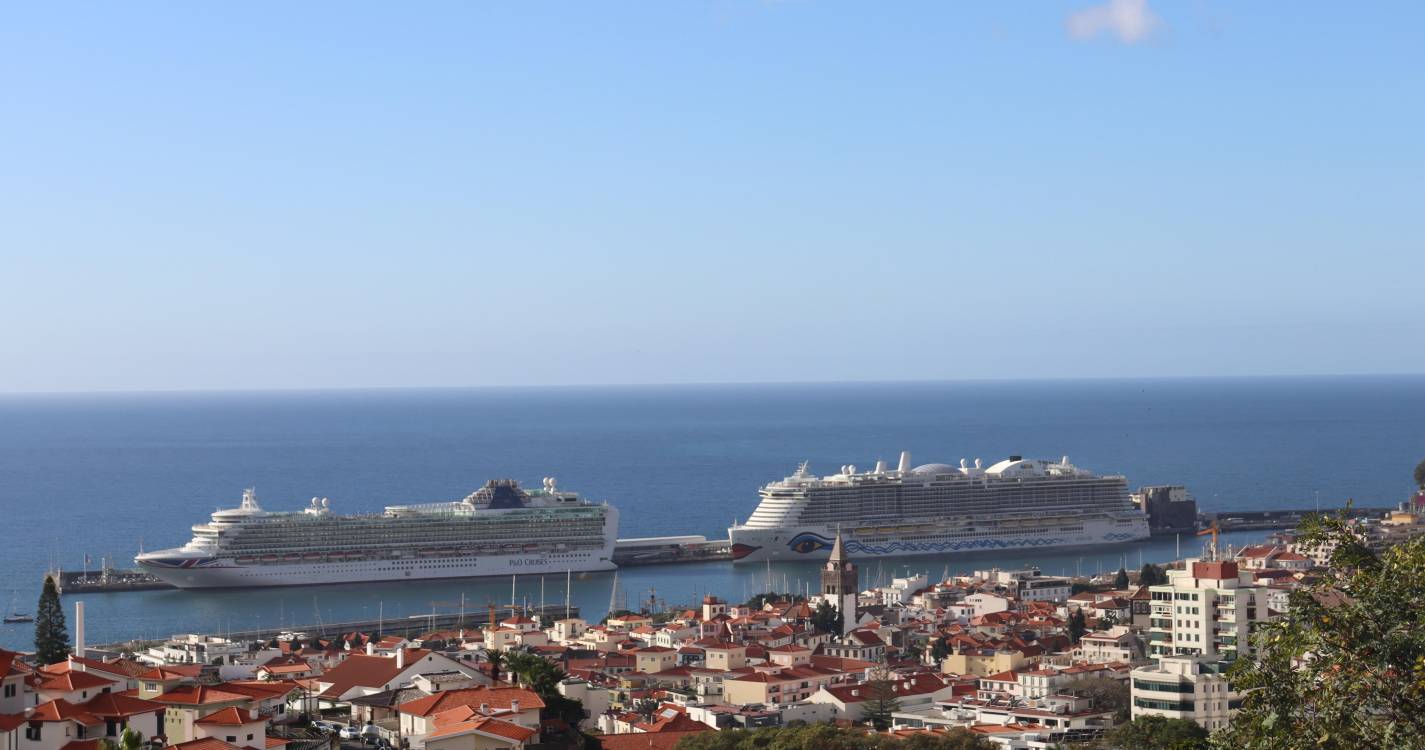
<point x="289" y="195"/>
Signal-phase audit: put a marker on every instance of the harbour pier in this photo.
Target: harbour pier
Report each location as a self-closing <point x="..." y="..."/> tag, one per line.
<point x="407" y="627"/>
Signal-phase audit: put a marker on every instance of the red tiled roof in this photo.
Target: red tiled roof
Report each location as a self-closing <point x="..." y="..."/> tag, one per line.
<point x="74" y="680"/>
<point x="94" y="744"/>
<point x="497" y="698"/>
<point x="8" y="722"/>
<point x="366" y="671"/>
<point x="116" y="705"/>
<point x="199" y="695"/>
<point x="297" y="668"/>
<point x="172" y="672"/>
<point x="62" y="710"/>
<point x="126" y="668"/>
<point x="259" y="689"/>
<point x="207" y="743"/>
<point x="918" y="684"/>
<point x="231" y="716"/>
<point x="486" y="725"/>
<point x="677" y="722"/>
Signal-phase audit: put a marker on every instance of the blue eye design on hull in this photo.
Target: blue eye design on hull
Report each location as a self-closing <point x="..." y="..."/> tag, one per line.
<point x="807" y="542"/>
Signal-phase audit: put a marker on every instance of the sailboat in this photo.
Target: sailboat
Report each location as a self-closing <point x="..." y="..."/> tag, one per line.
<point x="16" y="617"/>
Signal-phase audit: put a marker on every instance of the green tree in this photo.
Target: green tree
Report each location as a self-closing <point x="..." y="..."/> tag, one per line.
<point x="761" y="600"/>
<point x="1344" y="666"/>
<point x="1078" y="625"/>
<point x="131" y="739"/>
<point x="1151" y="575"/>
<point x="496" y="660"/>
<point x="1420" y="475"/>
<point x="646" y="707"/>
<point x="1106" y="693"/>
<point x="829" y="737"/>
<point x="955" y="739"/>
<point x="826" y="618"/>
<point x="939" y="649"/>
<point x="1120" y="581"/>
<point x="880" y="703"/>
<point x="51" y="632"/>
<point x="1155" y="733"/>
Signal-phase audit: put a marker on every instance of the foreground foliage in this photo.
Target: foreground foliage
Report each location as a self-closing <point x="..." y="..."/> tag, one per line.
<point x="829" y="737"/>
<point x="1345" y="666"/>
<point x="1155" y="733"/>
<point x="1106" y="693"/>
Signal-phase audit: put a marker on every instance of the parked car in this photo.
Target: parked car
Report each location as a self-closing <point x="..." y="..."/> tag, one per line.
<point x="351" y="733"/>
<point x="329" y="727"/>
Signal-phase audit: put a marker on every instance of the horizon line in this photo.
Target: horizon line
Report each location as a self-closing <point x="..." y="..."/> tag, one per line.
<point x="699" y="384"/>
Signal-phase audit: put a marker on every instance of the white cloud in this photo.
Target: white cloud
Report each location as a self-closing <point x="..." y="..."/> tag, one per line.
<point x="1129" y="20"/>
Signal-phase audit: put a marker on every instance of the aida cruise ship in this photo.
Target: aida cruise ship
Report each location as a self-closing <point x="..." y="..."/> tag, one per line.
<point x="938" y="509"/>
<point x="499" y="529"/>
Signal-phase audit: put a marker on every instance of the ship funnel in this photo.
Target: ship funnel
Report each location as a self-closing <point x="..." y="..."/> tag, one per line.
<point x="905" y="462"/>
<point x="977" y="463"/>
<point x="964" y="464"/>
<point x="1064" y="461"/>
<point x="880" y="466"/>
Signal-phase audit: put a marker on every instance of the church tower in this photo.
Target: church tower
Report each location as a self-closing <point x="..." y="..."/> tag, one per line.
<point x="839" y="585"/>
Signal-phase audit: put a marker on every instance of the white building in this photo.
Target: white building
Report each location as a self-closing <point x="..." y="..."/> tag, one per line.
<point x="1205" y="610"/>
<point x="1029" y="585"/>
<point x="195" y="649"/>
<point x="1185" y="687"/>
<point x="1117" y="644"/>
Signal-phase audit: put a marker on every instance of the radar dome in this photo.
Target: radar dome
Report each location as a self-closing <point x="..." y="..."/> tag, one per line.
<point x="935" y="469"/>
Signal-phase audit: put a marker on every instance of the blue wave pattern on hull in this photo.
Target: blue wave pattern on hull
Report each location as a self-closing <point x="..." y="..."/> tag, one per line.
<point x="1119" y="537"/>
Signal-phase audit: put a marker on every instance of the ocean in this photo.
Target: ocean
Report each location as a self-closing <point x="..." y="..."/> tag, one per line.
<point x="99" y="475"/>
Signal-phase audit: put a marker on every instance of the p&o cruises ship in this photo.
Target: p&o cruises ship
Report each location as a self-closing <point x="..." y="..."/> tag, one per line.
<point x="497" y="530"/>
<point x="937" y="509"/>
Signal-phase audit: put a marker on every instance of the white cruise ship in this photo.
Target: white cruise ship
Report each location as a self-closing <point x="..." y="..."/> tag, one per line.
<point x="938" y="509"/>
<point x="498" y="530"/>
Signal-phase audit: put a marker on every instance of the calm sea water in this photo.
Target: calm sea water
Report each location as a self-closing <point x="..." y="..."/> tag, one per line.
<point x="100" y="474"/>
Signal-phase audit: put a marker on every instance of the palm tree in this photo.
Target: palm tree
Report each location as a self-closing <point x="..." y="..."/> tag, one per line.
<point x="496" y="659"/>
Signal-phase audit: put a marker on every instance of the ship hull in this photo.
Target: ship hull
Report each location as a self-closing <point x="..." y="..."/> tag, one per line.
<point x="939" y="538"/>
<point x="221" y="572"/>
